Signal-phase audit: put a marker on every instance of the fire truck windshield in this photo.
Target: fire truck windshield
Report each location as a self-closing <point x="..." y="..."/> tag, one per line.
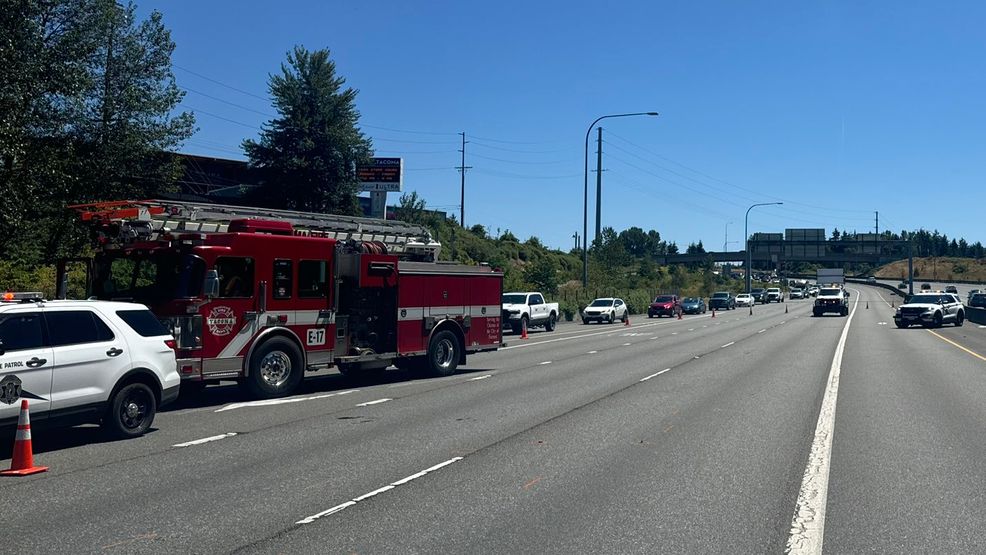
<point x="148" y="278"/>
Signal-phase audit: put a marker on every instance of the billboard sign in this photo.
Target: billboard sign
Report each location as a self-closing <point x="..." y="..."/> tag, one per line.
<point x="383" y="175"/>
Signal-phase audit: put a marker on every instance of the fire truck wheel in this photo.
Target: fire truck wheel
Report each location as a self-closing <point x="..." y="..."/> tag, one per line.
<point x="275" y="369"/>
<point x="443" y="353"/>
<point x="131" y="411"/>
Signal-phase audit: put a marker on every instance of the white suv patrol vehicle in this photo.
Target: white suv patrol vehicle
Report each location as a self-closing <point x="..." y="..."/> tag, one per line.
<point x="931" y="310"/>
<point x="111" y="363"/>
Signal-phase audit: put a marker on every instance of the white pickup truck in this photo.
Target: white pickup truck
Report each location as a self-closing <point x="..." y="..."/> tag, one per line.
<point x="528" y="309"/>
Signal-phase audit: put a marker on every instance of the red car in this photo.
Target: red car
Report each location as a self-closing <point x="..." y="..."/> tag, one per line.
<point x="664" y="305"/>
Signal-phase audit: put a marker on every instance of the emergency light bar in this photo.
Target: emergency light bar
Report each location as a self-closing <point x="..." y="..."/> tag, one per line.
<point x="22" y="296"/>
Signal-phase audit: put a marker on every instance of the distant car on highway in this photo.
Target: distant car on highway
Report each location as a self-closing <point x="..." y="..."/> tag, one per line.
<point x="798" y="293"/>
<point x="664" y="305"/>
<point x="926" y="287"/>
<point x="744" y="299"/>
<point x="902" y="285"/>
<point x="977" y="300"/>
<point x="831" y="299"/>
<point x="758" y="294"/>
<point x="813" y="290"/>
<point x="774" y="295"/>
<point x="930" y="310"/>
<point x="871" y="279"/>
<point x="951" y="289"/>
<point x="722" y="300"/>
<point x="973" y="292"/>
<point x="693" y="305"/>
<point x="607" y="309"/>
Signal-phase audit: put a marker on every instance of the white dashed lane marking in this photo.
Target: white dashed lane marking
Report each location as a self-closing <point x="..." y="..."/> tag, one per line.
<point x="376" y="402"/>
<point x="205" y="440"/>
<point x="378" y="491"/>
<point x="654" y="375"/>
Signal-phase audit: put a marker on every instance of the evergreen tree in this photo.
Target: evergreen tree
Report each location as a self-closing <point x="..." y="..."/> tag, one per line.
<point x="308" y="155"/>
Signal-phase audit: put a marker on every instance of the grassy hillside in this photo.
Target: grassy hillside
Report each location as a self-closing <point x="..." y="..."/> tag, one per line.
<point x="937" y="268"/>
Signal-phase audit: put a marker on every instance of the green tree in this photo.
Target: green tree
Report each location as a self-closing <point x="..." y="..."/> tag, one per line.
<point x="308" y="155"/>
<point x="410" y="208"/>
<point x="87" y="99"/>
<point x="543" y="275"/>
<point x="636" y="242"/>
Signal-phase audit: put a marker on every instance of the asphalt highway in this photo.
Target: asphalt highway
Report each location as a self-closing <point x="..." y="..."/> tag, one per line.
<point x="681" y="436"/>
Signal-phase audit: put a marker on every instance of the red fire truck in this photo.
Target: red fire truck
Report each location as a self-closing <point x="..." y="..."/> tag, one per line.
<point x="262" y="296"/>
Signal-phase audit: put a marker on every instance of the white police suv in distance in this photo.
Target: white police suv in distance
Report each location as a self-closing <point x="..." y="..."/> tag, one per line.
<point x="930" y="310"/>
<point x="111" y="363"/>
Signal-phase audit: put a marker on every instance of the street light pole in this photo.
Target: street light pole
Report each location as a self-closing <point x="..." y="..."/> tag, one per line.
<point x="585" y="200"/>
<point x="746" y="238"/>
<point x="725" y="239"/>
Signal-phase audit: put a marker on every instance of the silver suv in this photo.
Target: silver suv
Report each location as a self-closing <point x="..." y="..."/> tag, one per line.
<point x="112" y="363"/>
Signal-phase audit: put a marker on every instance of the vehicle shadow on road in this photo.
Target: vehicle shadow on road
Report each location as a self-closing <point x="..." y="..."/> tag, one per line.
<point x="230" y="392"/>
<point x="46" y="439"/>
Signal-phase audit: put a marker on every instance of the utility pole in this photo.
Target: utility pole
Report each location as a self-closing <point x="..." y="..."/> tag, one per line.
<point x="576" y="237"/>
<point x="877" y="212"/>
<point x="599" y="181"/>
<point x="462" y="169"/>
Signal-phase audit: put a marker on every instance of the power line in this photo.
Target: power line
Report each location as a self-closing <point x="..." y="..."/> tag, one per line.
<point x="478" y="143"/>
<point x="508" y="175"/>
<point x="532" y="163"/>
<point x="220" y="83"/>
<point x="721" y="190"/>
<point x="194" y="109"/>
<point x="758" y="193"/>
<point x="240" y="106"/>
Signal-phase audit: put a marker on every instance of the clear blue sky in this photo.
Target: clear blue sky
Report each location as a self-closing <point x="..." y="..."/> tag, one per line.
<point x="837" y="108"/>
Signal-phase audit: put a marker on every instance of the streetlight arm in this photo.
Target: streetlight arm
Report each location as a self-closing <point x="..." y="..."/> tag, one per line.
<point x="585" y="200"/>
<point x="746" y="240"/>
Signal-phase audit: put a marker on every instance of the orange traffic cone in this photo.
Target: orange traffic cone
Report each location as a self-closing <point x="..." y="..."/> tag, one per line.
<point x="713" y="313"/>
<point x="785" y="309"/>
<point x="523" y="329"/>
<point x="626" y="323"/>
<point x="22" y="463"/>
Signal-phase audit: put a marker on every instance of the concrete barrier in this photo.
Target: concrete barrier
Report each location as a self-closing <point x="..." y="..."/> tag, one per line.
<point x="975" y="315"/>
<point x="886" y="286"/>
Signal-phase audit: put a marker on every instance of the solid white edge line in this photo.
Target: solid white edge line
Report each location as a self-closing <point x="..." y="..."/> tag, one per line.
<point x="376" y="402"/>
<point x="481" y="377"/>
<point x="543" y="363"/>
<point x="808" y="522"/>
<point x="205" y="440"/>
<point x="727" y="344"/>
<point x="355" y="500"/>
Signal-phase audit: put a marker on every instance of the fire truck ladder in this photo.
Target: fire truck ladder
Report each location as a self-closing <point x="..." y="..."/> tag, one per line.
<point x="162" y="216"/>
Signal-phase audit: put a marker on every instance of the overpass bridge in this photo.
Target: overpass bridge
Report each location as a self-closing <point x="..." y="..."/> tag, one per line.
<point x="780" y="251"/>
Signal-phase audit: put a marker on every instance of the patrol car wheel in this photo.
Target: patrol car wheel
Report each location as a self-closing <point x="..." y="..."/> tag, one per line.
<point x="275" y="369"/>
<point x="443" y="354"/>
<point x="959" y="318"/>
<point x="550" y="324"/>
<point x="131" y="411"/>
